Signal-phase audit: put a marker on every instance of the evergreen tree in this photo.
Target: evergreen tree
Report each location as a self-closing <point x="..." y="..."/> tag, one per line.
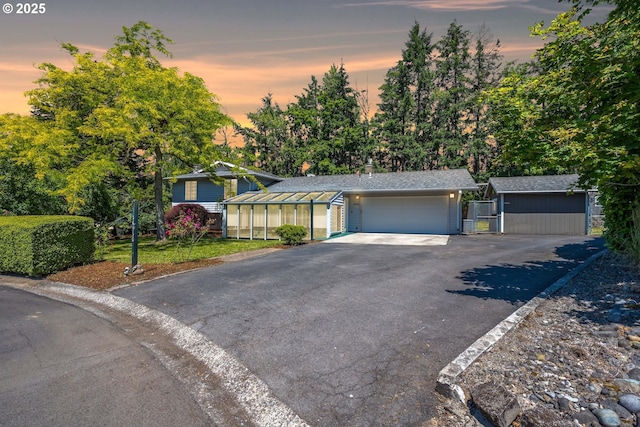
<point x="404" y="122"/>
<point x="485" y="74"/>
<point x="393" y="124"/>
<point x="338" y="149"/>
<point x="325" y="128"/>
<point x="418" y="58"/>
<point x="451" y="112"/>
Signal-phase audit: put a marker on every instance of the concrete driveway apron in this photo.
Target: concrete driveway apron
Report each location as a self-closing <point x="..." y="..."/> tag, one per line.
<point x="392" y="239"/>
<point x="356" y="334"/>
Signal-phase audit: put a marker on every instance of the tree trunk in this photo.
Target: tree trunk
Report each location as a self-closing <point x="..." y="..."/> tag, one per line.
<point x="157" y="196"/>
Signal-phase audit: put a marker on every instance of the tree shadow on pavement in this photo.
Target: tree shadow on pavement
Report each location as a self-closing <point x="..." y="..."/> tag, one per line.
<point x="518" y="283"/>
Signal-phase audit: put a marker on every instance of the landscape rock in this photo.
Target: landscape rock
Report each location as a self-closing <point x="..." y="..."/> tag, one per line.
<point x="542" y="416"/>
<point x="627" y="385"/>
<point x="620" y="410"/>
<point x="567" y="355"/>
<point x="496" y="403"/>
<point x="631" y="402"/>
<point x="586" y="419"/>
<point x="607" y="418"/>
<point x="634" y="374"/>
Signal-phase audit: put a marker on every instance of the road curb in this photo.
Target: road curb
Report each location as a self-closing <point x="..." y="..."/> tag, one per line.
<point x="264" y="408"/>
<point x="448" y="376"/>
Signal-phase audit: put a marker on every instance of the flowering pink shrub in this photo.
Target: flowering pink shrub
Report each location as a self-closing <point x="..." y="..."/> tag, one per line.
<point x="187" y="229"/>
<point x="181" y="209"/>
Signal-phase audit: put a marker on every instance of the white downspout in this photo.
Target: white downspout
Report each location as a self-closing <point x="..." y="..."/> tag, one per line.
<point x="502" y="213"/>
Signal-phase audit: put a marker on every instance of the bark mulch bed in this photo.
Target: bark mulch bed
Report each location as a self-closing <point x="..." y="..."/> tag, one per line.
<point x="107" y="274"/>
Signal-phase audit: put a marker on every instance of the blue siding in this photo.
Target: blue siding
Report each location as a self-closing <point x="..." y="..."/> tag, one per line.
<point x="210" y="192"/>
<point x="246" y="185"/>
<point x="177" y="192"/>
<point x="207" y="192"/>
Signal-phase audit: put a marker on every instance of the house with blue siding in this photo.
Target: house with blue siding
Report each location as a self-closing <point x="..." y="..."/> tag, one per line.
<point x="197" y="187"/>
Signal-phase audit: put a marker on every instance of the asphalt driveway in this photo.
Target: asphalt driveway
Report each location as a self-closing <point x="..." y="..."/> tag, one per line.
<point x="356" y="334"/>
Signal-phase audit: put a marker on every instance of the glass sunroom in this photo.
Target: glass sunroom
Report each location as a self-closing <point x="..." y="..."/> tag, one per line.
<point x="256" y="215"/>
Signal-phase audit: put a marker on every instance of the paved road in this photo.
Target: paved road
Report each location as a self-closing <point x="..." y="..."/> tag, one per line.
<point x="62" y="366"/>
<point x="356" y="334"/>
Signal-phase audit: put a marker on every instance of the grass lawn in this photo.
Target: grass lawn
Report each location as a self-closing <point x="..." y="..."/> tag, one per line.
<point x="152" y="252"/>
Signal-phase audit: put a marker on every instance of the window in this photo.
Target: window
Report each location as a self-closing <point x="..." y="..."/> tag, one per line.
<point x="337" y="221"/>
<point x="230" y="188"/>
<point x="191" y="190"/>
<point x="273" y="220"/>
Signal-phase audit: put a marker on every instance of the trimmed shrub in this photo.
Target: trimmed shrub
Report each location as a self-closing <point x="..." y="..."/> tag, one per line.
<point x="291" y="234"/>
<point x="41" y="245"/>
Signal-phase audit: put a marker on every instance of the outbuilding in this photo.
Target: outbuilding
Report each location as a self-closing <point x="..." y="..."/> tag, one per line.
<point x="548" y="204"/>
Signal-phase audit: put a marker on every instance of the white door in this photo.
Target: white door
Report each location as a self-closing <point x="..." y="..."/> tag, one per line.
<point x="405" y="214"/>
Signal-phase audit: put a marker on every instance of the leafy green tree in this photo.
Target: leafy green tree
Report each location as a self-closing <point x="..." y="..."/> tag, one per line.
<point x="27" y="148"/>
<point x="338" y="149"/>
<point x="128" y="117"/>
<point x="580" y="112"/>
<point x="304" y="115"/>
<point x="22" y="194"/>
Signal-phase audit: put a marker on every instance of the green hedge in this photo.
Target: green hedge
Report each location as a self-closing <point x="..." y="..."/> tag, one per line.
<point x="40" y="245"/>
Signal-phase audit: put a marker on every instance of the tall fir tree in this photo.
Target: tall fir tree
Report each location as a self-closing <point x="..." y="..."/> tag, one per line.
<point x="393" y="123"/>
<point x="451" y="112"/>
<point x="404" y="119"/>
<point x="486" y="64"/>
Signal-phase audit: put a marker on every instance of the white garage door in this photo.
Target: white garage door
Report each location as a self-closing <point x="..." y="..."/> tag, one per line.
<point x="417" y="214"/>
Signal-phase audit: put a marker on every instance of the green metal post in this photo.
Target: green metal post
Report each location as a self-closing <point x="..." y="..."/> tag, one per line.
<point x="134" y="235"/>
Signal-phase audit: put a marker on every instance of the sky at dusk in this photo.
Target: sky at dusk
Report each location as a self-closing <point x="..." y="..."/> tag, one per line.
<point x="245" y="49"/>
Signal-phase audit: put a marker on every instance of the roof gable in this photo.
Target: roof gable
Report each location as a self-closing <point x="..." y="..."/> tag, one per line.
<point x="230" y="171"/>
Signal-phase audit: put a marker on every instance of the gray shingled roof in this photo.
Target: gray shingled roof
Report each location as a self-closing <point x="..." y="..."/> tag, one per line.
<point x="225" y="170"/>
<point x="455" y="179"/>
<point x="535" y="184"/>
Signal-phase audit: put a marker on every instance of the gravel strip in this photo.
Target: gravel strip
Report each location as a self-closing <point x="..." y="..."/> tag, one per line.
<point x="576" y="355"/>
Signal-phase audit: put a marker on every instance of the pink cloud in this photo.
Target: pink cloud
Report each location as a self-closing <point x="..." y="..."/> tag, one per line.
<point x="444" y="5"/>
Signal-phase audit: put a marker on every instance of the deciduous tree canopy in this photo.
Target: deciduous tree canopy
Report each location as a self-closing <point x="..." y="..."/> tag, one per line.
<point x="577" y="110"/>
<point x="125" y="120"/>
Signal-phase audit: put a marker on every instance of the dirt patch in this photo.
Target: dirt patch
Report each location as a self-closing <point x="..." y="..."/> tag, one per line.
<point x="107" y="274"/>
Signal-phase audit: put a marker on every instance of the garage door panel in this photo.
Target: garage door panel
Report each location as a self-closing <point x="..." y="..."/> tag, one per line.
<point x="417" y="214"/>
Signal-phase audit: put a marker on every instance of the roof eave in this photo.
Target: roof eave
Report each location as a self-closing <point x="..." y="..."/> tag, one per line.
<point x="577" y="190"/>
